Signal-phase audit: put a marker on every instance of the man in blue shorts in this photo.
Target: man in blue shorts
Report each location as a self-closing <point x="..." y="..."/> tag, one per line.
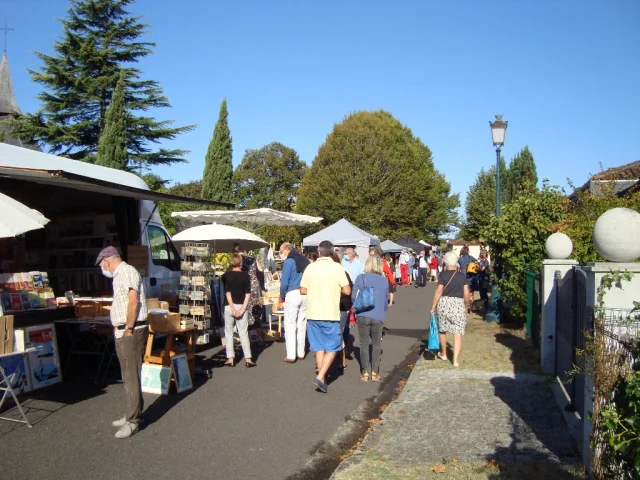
<point x="322" y="282"/>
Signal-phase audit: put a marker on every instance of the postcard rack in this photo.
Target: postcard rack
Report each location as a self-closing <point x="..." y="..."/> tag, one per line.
<point x="195" y="289"/>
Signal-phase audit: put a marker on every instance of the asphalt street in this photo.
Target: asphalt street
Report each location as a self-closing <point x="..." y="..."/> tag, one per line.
<point x="264" y="422"/>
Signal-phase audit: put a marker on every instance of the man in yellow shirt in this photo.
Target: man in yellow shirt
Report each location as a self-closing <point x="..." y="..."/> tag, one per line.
<point x="322" y="282"/>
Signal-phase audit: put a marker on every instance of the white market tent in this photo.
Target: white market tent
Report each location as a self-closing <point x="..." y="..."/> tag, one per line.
<point x="343" y="234"/>
<point x="250" y="219"/>
<point x="391" y="247"/>
<point x="221" y="237"/>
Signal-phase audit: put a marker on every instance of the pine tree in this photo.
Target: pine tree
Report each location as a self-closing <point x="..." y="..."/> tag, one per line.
<point x="522" y="176"/>
<point x="100" y="40"/>
<point x="112" y="146"/>
<point x="217" y="179"/>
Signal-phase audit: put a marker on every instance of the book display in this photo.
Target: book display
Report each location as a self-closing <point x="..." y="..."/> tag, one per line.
<point x="195" y="289"/>
<point x="72" y="246"/>
<point x="26" y="291"/>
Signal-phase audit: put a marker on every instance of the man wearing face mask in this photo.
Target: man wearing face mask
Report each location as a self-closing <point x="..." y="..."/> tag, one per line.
<point x="129" y="320"/>
<point x="351" y="264"/>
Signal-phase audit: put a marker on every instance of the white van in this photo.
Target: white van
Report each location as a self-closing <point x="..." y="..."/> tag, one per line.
<point x="89" y="207"/>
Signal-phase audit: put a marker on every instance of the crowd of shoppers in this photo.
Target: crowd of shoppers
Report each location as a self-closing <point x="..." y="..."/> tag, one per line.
<point x="319" y="290"/>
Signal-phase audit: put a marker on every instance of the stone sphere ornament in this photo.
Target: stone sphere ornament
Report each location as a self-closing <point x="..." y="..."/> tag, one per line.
<point x="616" y="235"/>
<point x="558" y="246"/>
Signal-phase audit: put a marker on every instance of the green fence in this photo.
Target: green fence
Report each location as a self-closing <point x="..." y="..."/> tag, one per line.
<point x="532" y="325"/>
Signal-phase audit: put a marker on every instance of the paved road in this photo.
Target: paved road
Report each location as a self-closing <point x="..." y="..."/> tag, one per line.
<point x="243" y="423"/>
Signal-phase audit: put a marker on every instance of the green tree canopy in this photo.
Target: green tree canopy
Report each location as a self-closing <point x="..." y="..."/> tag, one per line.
<point x="217" y="179"/>
<point x="100" y="39"/>
<point x="518" y="239"/>
<point x="112" y="146"/>
<point x="480" y="203"/>
<point x="522" y="176"/>
<point x="268" y="177"/>
<point x="374" y="172"/>
<point x="190" y="189"/>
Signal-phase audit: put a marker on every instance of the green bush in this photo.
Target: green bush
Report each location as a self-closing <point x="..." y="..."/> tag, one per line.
<point x="518" y="238"/>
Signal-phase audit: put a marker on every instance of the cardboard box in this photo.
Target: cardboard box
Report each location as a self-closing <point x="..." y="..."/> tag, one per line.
<point x="138" y="257"/>
<point x="163" y="322"/>
<point x="154" y="304"/>
<point x="92" y="308"/>
<point x="164" y="305"/>
<point x="86" y="309"/>
<point x="171" y="300"/>
<point x="6" y="334"/>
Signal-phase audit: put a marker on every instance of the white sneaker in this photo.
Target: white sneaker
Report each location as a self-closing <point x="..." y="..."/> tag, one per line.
<point x="127" y="430"/>
<point x="120" y="422"/>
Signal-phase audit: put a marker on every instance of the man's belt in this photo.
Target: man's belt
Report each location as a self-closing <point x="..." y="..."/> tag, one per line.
<point x="140" y="323"/>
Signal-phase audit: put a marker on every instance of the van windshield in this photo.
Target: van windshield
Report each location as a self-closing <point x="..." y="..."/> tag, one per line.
<point x="163" y="252"/>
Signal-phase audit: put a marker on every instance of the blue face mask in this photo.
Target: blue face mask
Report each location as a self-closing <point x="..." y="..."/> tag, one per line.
<point x="105" y="273"/>
<point x="346" y="257"/>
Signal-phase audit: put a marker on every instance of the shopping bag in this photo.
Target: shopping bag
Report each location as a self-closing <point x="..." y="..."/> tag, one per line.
<point x="434" y="341"/>
<point x="365" y="300"/>
<point x="352" y="317"/>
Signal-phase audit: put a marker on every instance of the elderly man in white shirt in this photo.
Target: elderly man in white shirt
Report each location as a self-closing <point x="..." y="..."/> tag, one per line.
<point x="129" y="320"/>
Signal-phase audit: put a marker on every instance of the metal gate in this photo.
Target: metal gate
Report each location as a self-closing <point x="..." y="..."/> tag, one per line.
<point x="573" y="320"/>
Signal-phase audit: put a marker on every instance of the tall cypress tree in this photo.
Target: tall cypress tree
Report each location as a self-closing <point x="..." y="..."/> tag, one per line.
<point x="217" y="179"/>
<point x="480" y="204"/>
<point x="100" y="37"/>
<point x="112" y="146"/>
<point x="523" y="175"/>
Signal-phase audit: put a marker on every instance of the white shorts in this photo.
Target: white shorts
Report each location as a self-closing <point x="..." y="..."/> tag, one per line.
<point x="433" y="273"/>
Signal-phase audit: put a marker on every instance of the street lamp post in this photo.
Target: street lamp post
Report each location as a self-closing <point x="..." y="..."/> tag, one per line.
<point x="498" y="132"/>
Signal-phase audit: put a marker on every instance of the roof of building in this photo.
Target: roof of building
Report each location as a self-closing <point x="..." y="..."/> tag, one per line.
<point x="8" y="104"/>
<point x="9" y="109"/>
<point x="625" y="180"/>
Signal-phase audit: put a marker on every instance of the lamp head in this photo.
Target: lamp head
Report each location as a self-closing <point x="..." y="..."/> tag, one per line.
<point x="498" y="131"/>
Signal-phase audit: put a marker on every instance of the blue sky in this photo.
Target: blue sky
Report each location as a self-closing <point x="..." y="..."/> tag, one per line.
<point x="564" y="73"/>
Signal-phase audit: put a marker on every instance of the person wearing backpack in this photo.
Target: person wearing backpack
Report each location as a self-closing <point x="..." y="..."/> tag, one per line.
<point x="370" y="322"/>
<point x="469" y="267"/>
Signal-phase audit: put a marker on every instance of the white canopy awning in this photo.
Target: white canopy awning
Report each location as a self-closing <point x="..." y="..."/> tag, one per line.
<point x="220" y="237"/>
<point x="17" y="218"/>
<point x="258" y="217"/>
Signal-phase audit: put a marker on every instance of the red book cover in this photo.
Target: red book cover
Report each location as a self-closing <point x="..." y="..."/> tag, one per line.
<point x="16" y="302"/>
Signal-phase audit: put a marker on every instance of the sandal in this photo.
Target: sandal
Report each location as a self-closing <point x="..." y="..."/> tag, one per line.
<point x="444" y="359"/>
<point x="375" y="377"/>
<point x="364" y="376"/>
<point x="230" y="363"/>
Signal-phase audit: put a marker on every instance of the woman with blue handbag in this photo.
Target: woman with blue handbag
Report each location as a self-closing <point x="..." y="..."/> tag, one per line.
<point x="370" y="297"/>
<point x="450" y="304"/>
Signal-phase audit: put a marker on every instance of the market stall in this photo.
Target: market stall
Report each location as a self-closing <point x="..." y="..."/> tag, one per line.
<point x="391" y="247"/>
<point x="344" y="234"/>
<point x="49" y="283"/>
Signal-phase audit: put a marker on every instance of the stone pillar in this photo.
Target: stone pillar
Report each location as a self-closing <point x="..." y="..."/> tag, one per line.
<point x="622" y="297"/>
<point x="548" y="294"/>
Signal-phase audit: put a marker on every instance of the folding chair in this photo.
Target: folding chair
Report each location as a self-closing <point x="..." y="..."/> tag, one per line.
<point x="10" y="364"/>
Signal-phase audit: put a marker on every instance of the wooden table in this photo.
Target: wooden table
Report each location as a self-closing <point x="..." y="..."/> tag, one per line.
<point x="163" y="356"/>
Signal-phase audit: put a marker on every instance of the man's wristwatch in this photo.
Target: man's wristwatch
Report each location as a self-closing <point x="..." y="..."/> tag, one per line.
<point x="130" y="328"/>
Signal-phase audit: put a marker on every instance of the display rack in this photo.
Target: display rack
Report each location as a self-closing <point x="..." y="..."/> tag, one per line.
<point x="195" y="289"/>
